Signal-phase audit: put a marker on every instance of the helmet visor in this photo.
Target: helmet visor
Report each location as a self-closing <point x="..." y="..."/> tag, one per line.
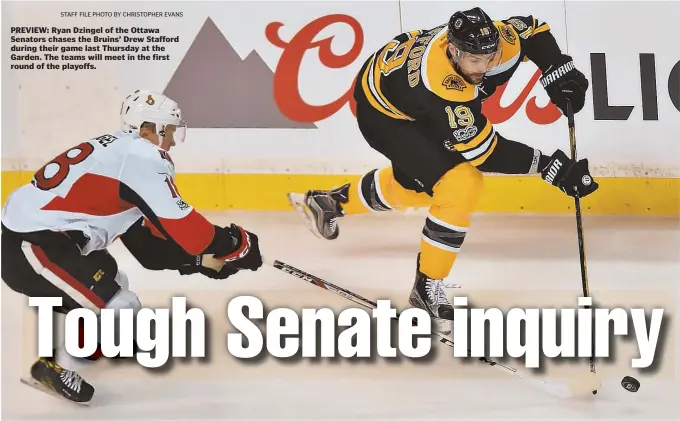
<point x="176" y="132"/>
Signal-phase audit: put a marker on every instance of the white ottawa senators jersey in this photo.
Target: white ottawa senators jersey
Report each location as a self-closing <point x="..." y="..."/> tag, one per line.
<point x="101" y="187"/>
<point x="412" y="78"/>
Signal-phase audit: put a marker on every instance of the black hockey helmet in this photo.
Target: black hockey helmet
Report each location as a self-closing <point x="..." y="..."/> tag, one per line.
<point x="472" y="31"/>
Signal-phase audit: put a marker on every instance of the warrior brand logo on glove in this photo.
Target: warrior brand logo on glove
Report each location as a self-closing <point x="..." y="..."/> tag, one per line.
<point x="552" y="172"/>
<point x="564" y="84"/>
<point x="557" y="73"/>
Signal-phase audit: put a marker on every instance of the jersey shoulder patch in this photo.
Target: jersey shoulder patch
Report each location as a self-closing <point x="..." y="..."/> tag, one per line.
<point x="107" y="139"/>
<point x="507" y="31"/>
<point x="510" y="44"/>
<point x="520" y="23"/>
<point x="438" y="74"/>
<point x="526" y="26"/>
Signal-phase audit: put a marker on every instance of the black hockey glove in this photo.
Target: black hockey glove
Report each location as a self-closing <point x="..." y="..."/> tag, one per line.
<point x="244" y="249"/>
<point x="208" y="266"/>
<point x="562" y="81"/>
<point x="571" y="177"/>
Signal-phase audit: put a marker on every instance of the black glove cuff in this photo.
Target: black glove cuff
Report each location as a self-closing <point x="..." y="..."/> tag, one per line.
<point x="227" y="240"/>
<point x="543" y="50"/>
<point x="543" y="162"/>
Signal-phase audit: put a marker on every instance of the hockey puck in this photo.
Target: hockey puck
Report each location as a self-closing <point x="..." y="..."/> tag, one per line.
<point x="630" y="384"/>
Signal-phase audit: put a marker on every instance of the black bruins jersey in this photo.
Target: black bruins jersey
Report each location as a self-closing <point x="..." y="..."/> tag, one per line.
<point x="412" y="79"/>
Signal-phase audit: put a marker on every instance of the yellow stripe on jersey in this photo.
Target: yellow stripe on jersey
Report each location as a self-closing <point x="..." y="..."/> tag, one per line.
<point x="375" y="97"/>
<point x="475" y="141"/>
<point x="477" y="149"/>
<point x="541" y="28"/>
<point x="438" y="75"/>
<point x="481" y="159"/>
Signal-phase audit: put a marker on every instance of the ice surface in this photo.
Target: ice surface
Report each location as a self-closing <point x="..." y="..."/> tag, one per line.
<point x="506" y="261"/>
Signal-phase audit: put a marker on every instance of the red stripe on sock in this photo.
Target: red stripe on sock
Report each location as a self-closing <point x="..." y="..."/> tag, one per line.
<point x="66" y="277"/>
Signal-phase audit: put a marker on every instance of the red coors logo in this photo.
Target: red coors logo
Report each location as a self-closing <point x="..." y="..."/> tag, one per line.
<point x="293" y="106"/>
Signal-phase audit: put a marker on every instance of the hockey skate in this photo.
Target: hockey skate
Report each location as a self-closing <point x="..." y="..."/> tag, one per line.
<point x="430" y="295"/>
<point x="320" y="210"/>
<point x="49" y="377"/>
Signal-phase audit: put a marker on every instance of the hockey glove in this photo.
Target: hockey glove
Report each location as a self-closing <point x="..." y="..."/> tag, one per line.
<point x="208" y="266"/>
<point x="562" y="82"/>
<point x="571" y="177"/>
<point x="244" y="249"/>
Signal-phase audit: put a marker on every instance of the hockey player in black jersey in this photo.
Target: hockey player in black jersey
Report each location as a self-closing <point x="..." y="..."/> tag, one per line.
<point x="419" y="103"/>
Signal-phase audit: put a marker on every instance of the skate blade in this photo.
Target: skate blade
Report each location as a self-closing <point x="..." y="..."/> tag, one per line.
<point x="29" y="381"/>
<point x="439" y="325"/>
<point x="297" y="200"/>
<point x="442" y="326"/>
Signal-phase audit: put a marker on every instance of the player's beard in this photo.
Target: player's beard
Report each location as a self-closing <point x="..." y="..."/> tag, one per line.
<point x="475" y="79"/>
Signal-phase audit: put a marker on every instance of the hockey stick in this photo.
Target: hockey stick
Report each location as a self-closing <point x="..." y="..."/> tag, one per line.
<point x="556" y="389"/>
<point x="579" y="220"/>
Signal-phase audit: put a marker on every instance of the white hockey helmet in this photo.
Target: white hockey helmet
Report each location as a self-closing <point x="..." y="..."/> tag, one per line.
<point x="143" y="106"/>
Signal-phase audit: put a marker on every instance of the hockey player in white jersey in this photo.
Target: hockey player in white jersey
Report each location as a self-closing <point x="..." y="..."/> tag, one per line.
<point x="55" y="230"/>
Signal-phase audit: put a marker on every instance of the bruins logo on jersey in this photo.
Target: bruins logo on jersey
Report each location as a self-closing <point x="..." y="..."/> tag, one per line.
<point x="454" y="82"/>
<point x="508" y="35"/>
